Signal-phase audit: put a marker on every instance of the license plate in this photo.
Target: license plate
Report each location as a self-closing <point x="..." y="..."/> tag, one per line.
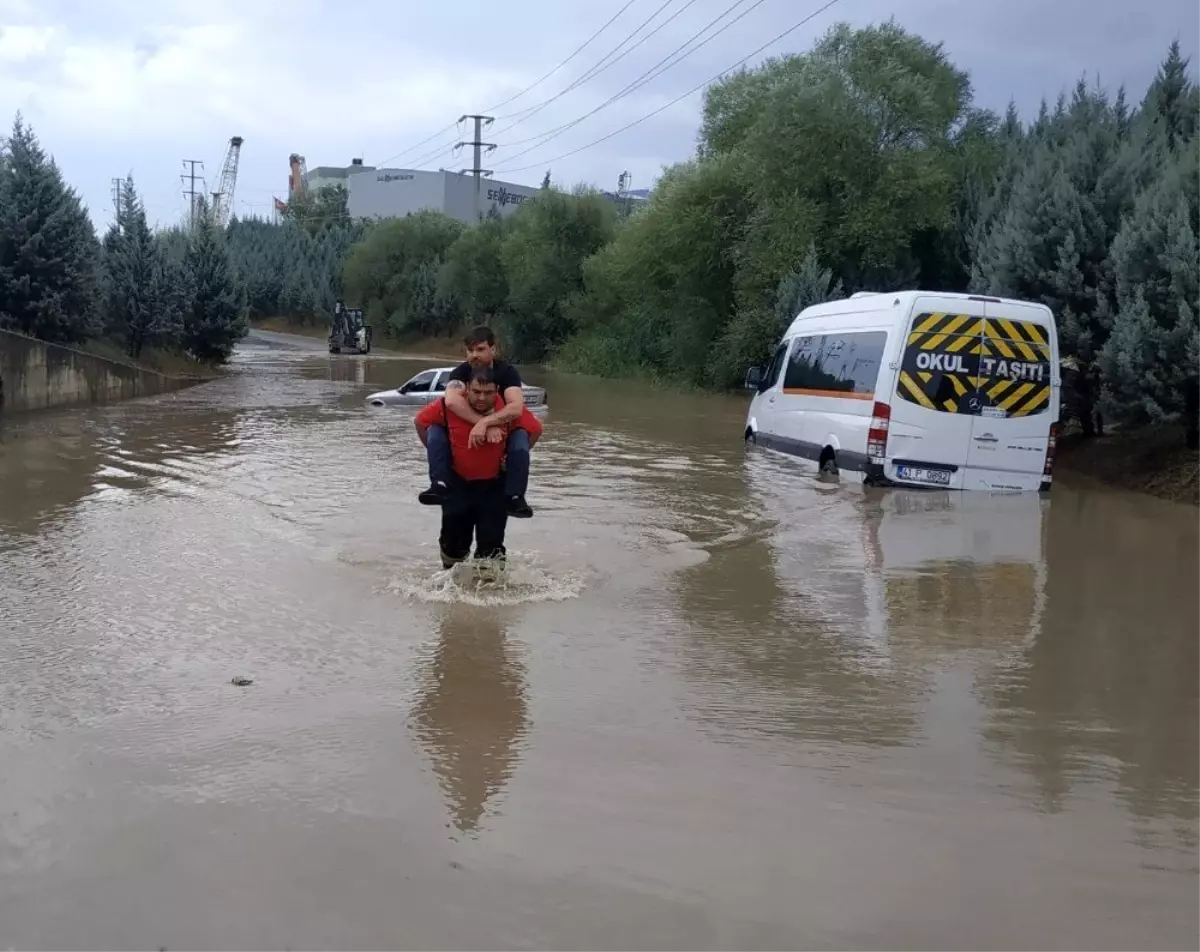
<point x="921" y="474"/>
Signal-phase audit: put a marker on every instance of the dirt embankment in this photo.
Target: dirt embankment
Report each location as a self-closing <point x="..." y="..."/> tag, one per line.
<point x="1151" y="460"/>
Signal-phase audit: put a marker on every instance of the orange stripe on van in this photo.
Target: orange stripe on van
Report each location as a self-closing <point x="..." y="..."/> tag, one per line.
<point x="833" y="394"/>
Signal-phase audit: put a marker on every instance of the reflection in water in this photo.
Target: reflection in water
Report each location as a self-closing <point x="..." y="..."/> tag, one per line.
<point x="784" y="636"/>
<point x="1109" y="688"/>
<point x="471" y="715"/>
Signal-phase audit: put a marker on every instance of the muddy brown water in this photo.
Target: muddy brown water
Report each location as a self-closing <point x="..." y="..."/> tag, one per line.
<point x="727" y="705"/>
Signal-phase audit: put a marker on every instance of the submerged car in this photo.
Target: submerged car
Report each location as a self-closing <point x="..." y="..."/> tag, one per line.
<point x="428" y="385"/>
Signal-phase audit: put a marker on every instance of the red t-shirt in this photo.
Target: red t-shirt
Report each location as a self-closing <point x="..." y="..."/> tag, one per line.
<point x="474" y="462"/>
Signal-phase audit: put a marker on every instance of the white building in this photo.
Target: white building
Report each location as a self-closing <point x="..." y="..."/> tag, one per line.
<point x="393" y="193"/>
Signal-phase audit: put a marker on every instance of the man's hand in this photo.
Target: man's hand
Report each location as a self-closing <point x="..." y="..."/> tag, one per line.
<point x="479" y="433"/>
<point x="497" y="434"/>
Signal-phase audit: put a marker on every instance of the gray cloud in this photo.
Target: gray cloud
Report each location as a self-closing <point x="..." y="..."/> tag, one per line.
<point x="371" y="78"/>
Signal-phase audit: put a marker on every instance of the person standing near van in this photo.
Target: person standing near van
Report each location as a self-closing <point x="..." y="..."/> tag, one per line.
<point x="481" y="352"/>
<point x="475" y="506"/>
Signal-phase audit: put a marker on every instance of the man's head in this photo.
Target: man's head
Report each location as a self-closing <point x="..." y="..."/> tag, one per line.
<point x="481" y="347"/>
<point x="481" y="391"/>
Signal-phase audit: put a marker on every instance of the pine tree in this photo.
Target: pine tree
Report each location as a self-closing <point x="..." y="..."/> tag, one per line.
<point x="1042" y="249"/>
<point x="1172" y="99"/>
<point x="48" y="249"/>
<point x="134" y="270"/>
<point x="215" y="316"/>
<point x="809" y="284"/>
<point x="1151" y="358"/>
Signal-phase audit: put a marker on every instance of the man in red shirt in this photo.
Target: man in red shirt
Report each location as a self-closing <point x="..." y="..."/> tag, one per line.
<point x="476" y="506"/>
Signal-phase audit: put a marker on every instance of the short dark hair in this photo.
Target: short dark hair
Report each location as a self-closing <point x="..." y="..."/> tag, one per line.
<point x="480" y="335"/>
<point x="483" y="375"/>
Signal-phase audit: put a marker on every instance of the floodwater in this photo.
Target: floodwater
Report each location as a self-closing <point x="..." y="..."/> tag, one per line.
<point x="721" y="704"/>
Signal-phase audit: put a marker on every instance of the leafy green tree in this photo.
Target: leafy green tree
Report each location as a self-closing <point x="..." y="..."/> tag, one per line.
<point x="49" y="256"/>
<point x="474" y="275"/>
<point x="393" y="272"/>
<point x="543" y="255"/>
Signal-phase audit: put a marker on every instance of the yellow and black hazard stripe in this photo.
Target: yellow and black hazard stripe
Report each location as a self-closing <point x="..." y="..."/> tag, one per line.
<point x="949" y="332"/>
<point x="1018" y="340"/>
<point x="960" y="363"/>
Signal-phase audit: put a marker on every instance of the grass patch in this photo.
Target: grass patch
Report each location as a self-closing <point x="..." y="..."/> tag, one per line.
<point x="1150" y="459"/>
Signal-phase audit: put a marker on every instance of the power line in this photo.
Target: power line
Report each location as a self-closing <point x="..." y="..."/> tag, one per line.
<point x="580" y="49"/>
<point x="597" y="68"/>
<point x="586" y="43"/>
<point x="648" y="76"/>
<point x="677" y="99"/>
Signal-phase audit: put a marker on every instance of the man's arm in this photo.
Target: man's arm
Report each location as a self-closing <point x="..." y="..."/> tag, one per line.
<point x="422" y="431"/>
<point x="456" y="402"/>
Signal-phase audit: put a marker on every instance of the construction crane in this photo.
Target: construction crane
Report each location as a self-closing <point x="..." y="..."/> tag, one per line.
<point x="222" y="198"/>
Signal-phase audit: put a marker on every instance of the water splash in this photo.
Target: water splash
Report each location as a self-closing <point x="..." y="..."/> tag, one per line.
<point x="522" y="580"/>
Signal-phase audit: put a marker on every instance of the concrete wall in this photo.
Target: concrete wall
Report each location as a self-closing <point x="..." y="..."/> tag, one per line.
<point x="35" y="375"/>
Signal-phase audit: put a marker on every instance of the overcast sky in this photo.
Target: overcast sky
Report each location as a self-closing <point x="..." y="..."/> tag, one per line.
<point x="119" y="86"/>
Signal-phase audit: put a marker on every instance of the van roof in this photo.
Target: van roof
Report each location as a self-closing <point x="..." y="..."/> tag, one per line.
<point x="899" y="299"/>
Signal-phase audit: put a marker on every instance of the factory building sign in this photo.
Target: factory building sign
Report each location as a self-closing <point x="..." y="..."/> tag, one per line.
<point x="502" y="196"/>
<point x="389" y="177"/>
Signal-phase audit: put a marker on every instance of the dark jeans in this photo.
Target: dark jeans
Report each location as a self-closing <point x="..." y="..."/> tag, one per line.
<point x="475" y="510"/>
<point x="516" y="476"/>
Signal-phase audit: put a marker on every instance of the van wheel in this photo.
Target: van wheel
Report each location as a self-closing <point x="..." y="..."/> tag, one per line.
<point x="751" y="437"/>
<point x="828" y="462"/>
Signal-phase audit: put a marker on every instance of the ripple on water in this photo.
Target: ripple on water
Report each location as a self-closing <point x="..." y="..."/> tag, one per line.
<point x="522" y="581"/>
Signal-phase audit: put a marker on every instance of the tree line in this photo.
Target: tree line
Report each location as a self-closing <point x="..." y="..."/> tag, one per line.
<point x="174" y="290"/>
<point x="863" y="164"/>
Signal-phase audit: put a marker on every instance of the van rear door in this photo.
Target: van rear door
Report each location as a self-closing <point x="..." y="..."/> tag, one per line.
<point x="933" y="410"/>
<point x="1016" y="398"/>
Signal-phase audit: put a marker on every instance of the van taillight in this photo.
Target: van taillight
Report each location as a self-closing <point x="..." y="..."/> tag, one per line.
<point x="1051" y="446"/>
<point x="878" y="432"/>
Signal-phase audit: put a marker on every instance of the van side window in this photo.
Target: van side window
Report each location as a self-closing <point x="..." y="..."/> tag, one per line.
<point x="851" y="361"/>
<point x="772" y="373"/>
<point x="804" y="367"/>
<point x="838" y="363"/>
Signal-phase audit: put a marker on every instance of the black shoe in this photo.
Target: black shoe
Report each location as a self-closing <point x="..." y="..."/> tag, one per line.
<point x="518" y="508"/>
<point x="435" y="495"/>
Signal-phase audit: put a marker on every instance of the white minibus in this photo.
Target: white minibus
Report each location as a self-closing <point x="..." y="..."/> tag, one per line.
<point x="915" y="388"/>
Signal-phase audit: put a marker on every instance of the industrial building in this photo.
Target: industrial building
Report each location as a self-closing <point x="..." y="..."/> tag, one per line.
<point x="376" y="193"/>
<point x="393" y="193"/>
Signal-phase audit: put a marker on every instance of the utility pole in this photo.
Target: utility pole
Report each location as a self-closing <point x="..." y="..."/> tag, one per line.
<point x="623" y="181"/>
<point x="118" y="186"/>
<point x="191" y="192"/>
<point x="479" y="146"/>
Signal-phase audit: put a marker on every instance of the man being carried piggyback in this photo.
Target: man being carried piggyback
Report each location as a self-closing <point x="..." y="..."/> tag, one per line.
<point x="481" y="352"/>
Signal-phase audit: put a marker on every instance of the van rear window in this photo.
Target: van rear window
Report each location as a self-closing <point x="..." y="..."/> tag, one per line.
<point x="836" y="365"/>
<point x="995" y="366"/>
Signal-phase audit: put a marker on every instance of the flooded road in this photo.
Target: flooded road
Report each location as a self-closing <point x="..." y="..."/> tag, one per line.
<point x="723" y="705"/>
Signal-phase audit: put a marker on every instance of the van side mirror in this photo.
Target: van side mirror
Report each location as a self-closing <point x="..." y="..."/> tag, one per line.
<point x="754" y="378"/>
